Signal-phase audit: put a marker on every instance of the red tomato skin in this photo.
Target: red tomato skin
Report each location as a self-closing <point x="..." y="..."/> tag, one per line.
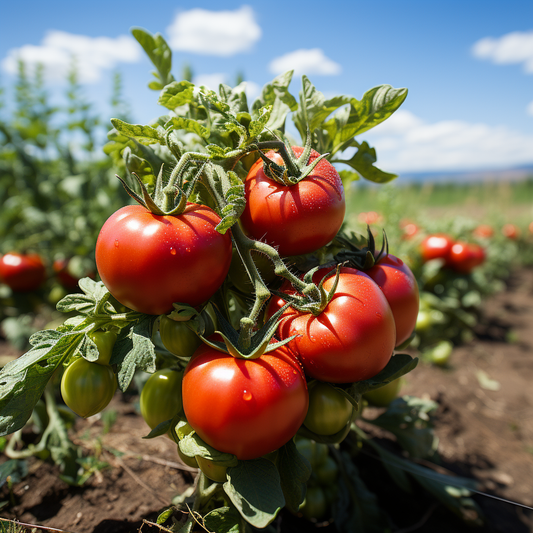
<point x="296" y="219"/>
<point x="436" y="246"/>
<point x="400" y="288"/>
<point x="464" y="257"/>
<point x="351" y="340"/>
<point x="22" y="272"/>
<point x="245" y="407"/>
<point x="149" y="261"/>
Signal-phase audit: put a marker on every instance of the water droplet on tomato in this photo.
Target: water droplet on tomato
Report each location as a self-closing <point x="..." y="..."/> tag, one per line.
<point x="247" y="395"/>
<point x="379" y="315"/>
<point x="173" y="251"/>
<point x="116" y="243"/>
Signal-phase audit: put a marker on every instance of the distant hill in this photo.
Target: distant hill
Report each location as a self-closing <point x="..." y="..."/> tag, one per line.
<point x="507" y="174"/>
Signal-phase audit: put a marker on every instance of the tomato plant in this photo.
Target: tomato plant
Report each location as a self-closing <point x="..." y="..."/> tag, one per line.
<point x="22" y="272"/>
<point x="329" y="410"/>
<point x="177" y="338"/>
<point x="149" y="261"/>
<point x="400" y="288"/>
<point x="351" y="339"/>
<point x="161" y="396"/>
<point x="298" y="218"/>
<point x="511" y="231"/>
<point x="436" y="246"/>
<point x="245" y="407"/>
<point x="483" y="231"/>
<point x="87" y="388"/>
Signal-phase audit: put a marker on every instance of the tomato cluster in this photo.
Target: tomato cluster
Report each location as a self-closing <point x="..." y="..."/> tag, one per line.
<point x="460" y="256"/>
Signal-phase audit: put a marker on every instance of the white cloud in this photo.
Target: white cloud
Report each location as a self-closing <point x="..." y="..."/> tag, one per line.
<point x="311" y="61"/>
<point x="218" y="33"/>
<point x="406" y="143"/>
<point x="515" y="47"/>
<point x="211" y="81"/>
<point x="94" y="54"/>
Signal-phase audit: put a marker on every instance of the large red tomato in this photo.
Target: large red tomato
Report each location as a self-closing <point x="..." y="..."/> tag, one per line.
<point x="351" y="340"/>
<point x="21" y="272"/>
<point x="245" y="407"/>
<point x="399" y="286"/>
<point x="297" y="219"/>
<point x="149" y="261"/>
<point x="464" y="257"/>
<point x="436" y="246"/>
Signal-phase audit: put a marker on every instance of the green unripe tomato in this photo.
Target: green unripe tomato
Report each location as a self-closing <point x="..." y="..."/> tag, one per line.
<point x="315" y="504"/>
<point x="161" y="397"/>
<point x="104" y="340"/>
<point x="189" y="461"/>
<point x="210" y="469"/>
<point x="384" y="395"/>
<point x="441" y="353"/>
<point x="328" y="472"/>
<point x="315" y="452"/>
<point x="329" y="410"/>
<point x="87" y="388"/>
<point x="177" y="338"/>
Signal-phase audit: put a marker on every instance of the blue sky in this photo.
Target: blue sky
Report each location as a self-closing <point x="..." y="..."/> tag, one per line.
<point x="468" y="65"/>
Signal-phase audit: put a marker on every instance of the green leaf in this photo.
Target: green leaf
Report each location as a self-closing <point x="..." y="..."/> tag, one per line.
<point x="314" y="108"/>
<point x="94" y="295"/>
<point x="23" y="380"/>
<point x="294" y="470"/>
<point x="363" y="162"/>
<point x="257" y="125"/>
<point x="356" y="508"/>
<point x="176" y="94"/>
<point x="142" y="134"/>
<point x="399" y="365"/>
<point x="134" y="349"/>
<point x="235" y="201"/>
<point x="223" y="520"/>
<point x="408" y="418"/>
<point x="276" y="93"/>
<point x="235" y="98"/>
<point x="254" y="488"/>
<point x="192" y="445"/>
<point x="160" y="55"/>
<point x="188" y="124"/>
<point x="13" y="468"/>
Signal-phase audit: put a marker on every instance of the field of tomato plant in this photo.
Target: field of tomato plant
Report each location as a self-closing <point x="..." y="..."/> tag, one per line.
<point x="236" y="335"/>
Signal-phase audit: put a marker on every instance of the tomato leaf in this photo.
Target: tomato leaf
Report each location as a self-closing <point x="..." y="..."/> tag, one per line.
<point x="223" y="520"/>
<point x="23" y="380"/>
<point x="363" y="162"/>
<point x="235" y="98"/>
<point x="142" y="134"/>
<point x="176" y="94"/>
<point x="409" y="419"/>
<point x="233" y="190"/>
<point x="294" y="470"/>
<point x="254" y="488"/>
<point x="134" y="349"/>
<point x="452" y="491"/>
<point x="188" y="124"/>
<point x="257" y="125"/>
<point x="356" y="508"/>
<point x="95" y="294"/>
<point x="160" y="55"/>
<point x="192" y="445"/>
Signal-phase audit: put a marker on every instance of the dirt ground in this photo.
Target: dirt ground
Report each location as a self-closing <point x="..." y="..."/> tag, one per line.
<point x="484" y="433"/>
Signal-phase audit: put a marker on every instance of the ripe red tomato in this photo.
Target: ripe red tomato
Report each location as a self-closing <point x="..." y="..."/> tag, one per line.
<point x="436" y="246"/>
<point x="148" y="261"/>
<point x="351" y="340"/>
<point x="484" y="231"/>
<point x="245" y="407"/>
<point x="297" y="219"/>
<point x="399" y="286"/>
<point x="510" y="231"/>
<point x="21" y="272"/>
<point x="464" y="257"/>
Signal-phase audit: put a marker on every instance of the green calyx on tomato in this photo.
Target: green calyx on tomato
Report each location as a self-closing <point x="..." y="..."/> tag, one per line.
<point x="87" y="388"/>
<point x="329" y="410"/>
<point x="161" y="397"/>
<point x="177" y="337"/>
<point x="104" y="340"/>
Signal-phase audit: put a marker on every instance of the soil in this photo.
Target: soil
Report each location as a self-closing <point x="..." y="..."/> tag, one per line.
<point x="484" y="424"/>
